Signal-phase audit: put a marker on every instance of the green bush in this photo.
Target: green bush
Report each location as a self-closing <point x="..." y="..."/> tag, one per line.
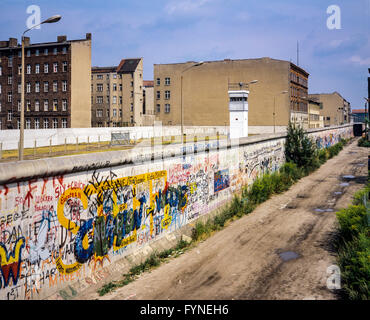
<point x="363" y="142"/>
<point x="352" y="221"/>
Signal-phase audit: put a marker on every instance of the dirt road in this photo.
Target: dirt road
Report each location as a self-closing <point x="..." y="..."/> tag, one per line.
<point x="243" y="260"/>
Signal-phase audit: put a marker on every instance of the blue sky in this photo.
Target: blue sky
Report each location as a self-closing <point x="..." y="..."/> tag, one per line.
<point x="166" y="31"/>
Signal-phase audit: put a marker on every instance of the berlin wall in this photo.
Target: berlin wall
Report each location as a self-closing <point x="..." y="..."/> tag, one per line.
<point x="65" y="220"/>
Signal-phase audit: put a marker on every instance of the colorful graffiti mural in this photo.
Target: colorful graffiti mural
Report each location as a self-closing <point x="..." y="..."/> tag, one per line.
<point x="56" y="230"/>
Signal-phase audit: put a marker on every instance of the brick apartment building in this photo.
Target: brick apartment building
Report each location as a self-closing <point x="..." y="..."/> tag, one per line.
<point x="205" y="97"/>
<point x="57" y="83"/>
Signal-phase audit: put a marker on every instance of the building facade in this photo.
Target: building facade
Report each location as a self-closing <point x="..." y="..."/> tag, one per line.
<point x="335" y="109"/>
<point x="117" y="95"/>
<point x="57" y="84"/>
<point x="315" y="119"/>
<point x="359" y="115"/>
<point x="196" y="94"/>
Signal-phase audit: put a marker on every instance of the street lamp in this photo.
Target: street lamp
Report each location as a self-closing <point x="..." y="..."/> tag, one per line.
<point x="52" y="19"/>
<point x="181" y="108"/>
<point x="282" y="92"/>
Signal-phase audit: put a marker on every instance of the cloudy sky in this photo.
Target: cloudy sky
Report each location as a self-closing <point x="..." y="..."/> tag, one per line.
<point x="167" y="31"/>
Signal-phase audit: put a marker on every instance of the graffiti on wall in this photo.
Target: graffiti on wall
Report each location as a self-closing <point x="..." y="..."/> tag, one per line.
<point x="56" y="230"/>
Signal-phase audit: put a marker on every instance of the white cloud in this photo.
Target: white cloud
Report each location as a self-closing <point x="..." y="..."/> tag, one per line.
<point x="185" y="6"/>
<point x="360" y="61"/>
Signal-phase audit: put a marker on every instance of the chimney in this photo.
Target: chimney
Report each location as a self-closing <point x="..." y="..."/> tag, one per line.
<point x="26" y="41"/>
<point x="13" y="42"/>
<point x="88" y="36"/>
<point x="62" y="38"/>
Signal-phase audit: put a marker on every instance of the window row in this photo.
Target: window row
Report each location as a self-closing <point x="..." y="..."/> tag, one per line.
<point x="37" y="68"/>
<point x="167" y="108"/>
<point x="100" y="86"/>
<point x="40" y="123"/>
<point x="42" y="105"/>
<point x="37" y="89"/>
<point x="167" y="95"/>
<point x="296" y="78"/>
<point x="100" y="76"/>
<point x="167" y="81"/>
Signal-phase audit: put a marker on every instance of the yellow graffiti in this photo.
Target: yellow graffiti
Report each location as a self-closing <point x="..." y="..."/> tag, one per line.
<point x="66" y="269"/>
<point x="167" y="217"/>
<point x="125" y="242"/>
<point x="12" y="258"/>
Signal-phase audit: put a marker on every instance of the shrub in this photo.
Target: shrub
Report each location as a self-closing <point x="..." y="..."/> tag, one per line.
<point x="299" y="147"/>
<point x="363" y="142"/>
<point x="352" y="221"/>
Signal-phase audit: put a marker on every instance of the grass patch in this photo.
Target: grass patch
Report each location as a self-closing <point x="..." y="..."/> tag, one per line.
<point x="363" y="142"/>
<point x="353" y="247"/>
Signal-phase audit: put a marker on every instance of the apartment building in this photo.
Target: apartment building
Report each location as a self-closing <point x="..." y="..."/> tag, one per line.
<point x="335" y="108"/>
<point x="117" y="94"/>
<point x="57" y="83"/>
<point x="196" y="94"/>
<point x="148" y="103"/>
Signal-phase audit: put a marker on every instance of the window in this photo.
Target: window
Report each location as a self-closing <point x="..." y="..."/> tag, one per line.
<point x="99" y="77"/>
<point x="120" y="87"/>
<point x="18" y="124"/>
<point x="99" y="87"/>
<point x="1" y="71"/>
<point x="114" y="112"/>
<point x="132" y="94"/>
<point x="107" y="99"/>
<point x="167" y="108"/>
<point x="37" y="68"/>
<point x="107" y="76"/>
<point x="114" y="87"/>
<point x="28" y="105"/>
<point x="120" y="113"/>
<point x="64" y="85"/>
<point x="28" y="53"/>
<point x="10" y="79"/>
<point x="64" y="105"/>
<point x="28" y="87"/>
<point x="99" y="99"/>
<point x="132" y="107"/>
<point x="167" y="81"/>
<point x="37" y="105"/>
<point x="37" y="52"/>
<point x="64" y="50"/>
<point x="167" y="94"/>
<point x="10" y="115"/>
<point x="28" y="123"/>
<point x="0" y="88"/>
<point x="55" y="105"/>
<point x="64" y="123"/>
<point x="46" y="52"/>
<point x="132" y="120"/>
<point x="9" y="97"/>
<point x="10" y="61"/>
<point x="99" y="113"/>
<point x="46" y="123"/>
<point x="37" y="123"/>
<point x="19" y="69"/>
<point x="114" y="99"/>
<point x="107" y="113"/>
<point x="132" y="83"/>
<point x="65" y="66"/>
<point x="55" y="123"/>
<point x="55" y="50"/>
<point x="55" y="67"/>
<point x="158" y="108"/>
<point x="46" y="86"/>
<point x="55" y="86"/>
<point x="46" y="105"/>
<point x="19" y="105"/>
<point x="28" y="69"/>
<point x="37" y="86"/>
<point x="46" y="68"/>
<point x="108" y="87"/>
<point x="114" y="75"/>
<point x="158" y="94"/>
<point x="120" y="99"/>
<point x="158" y="81"/>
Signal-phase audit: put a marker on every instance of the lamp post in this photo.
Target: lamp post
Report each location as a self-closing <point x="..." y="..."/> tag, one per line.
<point x="181" y="108"/>
<point x="52" y="19"/>
<point x="274" y="113"/>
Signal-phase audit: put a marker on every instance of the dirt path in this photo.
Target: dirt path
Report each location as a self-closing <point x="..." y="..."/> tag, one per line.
<point x="242" y="261"/>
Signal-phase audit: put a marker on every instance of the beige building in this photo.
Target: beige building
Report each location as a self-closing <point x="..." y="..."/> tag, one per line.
<point x="117" y="94"/>
<point x="316" y="120"/>
<point x="148" y="103"/>
<point x="196" y="94"/>
<point x="335" y="109"/>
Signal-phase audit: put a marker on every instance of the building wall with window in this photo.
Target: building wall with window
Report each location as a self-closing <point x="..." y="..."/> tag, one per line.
<point x="316" y="120"/>
<point x="202" y="91"/>
<point x="335" y="109"/>
<point x="117" y="94"/>
<point x="55" y="77"/>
